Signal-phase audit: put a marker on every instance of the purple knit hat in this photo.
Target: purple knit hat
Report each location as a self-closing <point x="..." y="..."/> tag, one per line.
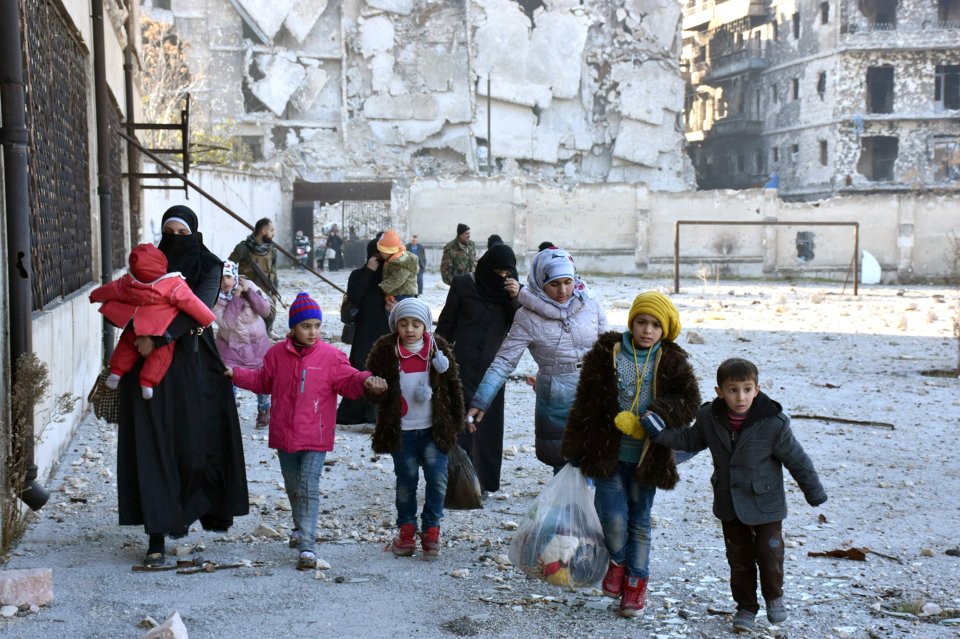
<point x="304" y="308"/>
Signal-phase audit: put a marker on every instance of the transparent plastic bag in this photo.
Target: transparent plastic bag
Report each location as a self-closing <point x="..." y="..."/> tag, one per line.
<point x="560" y="541"/>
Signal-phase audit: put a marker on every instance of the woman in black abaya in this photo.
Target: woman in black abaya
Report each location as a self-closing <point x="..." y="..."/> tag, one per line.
<point x="475" y="318"/>
<point x="370" y="325"/>
<point x="180" y="454"/>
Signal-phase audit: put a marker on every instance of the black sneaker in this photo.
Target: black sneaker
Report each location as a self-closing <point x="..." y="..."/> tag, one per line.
<point x="776" y="610"/>
<point x="744" y="621"/>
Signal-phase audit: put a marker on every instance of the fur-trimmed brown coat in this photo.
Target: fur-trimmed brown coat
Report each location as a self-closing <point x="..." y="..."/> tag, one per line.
<point x="591" y="436"/>
<point x="447" y="398"/>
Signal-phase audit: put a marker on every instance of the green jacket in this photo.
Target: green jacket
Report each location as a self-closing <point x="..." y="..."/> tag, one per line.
<point x="400" y="275"/>
<point x="457" y="260"/>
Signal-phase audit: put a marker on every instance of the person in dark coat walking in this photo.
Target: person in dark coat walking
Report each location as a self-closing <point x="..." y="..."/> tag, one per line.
<point x="751" y="442"/>
<point x="335" y="242"/>
<point x="364" y="292"/>
<point x="180" y="454"/>
<point x="476" y="317"/>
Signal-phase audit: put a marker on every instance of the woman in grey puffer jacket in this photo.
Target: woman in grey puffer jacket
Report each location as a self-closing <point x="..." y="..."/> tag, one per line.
<point x="558" y="322"/>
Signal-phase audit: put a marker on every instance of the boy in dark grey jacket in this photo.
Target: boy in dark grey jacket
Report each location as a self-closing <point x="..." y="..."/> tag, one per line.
<point x="750" y="441"/>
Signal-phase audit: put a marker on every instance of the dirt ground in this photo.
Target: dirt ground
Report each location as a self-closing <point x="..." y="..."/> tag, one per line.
<point x="823" y="353"/>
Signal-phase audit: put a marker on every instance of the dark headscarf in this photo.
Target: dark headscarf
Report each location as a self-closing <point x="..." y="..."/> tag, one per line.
<point x="372" y="245"/>
<point x="490" y="283"/>
<point x="186" y="253"/>
<point x="494" y="239"/>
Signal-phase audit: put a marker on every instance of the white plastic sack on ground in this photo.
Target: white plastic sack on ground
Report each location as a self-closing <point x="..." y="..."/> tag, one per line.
<point x="869" y="269"/>
<point x="560" y="540"/>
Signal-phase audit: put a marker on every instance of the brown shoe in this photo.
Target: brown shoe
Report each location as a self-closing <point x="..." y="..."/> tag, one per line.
<point x="263" y="418"/>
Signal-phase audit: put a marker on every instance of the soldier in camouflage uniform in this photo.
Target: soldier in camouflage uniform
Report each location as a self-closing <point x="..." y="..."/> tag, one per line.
<point x="459" y="255"/>
<point x="256" y="258"/>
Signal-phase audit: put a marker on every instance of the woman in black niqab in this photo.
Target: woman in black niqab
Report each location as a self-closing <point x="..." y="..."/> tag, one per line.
<point x="180" y="454"/>
<point x="475" y="318"/>
<point x="370" y="324"/>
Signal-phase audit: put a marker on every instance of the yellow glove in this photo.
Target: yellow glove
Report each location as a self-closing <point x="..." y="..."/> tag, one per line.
<point x="559" y="578"/>
<point x="629" y="424"/>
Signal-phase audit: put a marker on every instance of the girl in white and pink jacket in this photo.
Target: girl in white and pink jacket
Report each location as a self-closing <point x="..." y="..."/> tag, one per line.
<point x="242" y="338"/>
<point x="304" y="376"/>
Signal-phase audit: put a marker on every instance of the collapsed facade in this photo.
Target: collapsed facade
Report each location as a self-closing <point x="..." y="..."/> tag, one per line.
<point x="826" y="97"/>
<point x="396" y="89"/>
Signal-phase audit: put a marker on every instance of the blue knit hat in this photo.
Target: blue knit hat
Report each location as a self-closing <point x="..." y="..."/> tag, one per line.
<point x="304" y="308"/>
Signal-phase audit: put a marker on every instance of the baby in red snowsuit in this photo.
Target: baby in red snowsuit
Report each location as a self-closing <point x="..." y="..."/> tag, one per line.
<point x="144" y="302"/>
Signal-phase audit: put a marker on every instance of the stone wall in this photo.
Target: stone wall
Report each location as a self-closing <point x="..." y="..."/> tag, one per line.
<point x="360" y="89"/>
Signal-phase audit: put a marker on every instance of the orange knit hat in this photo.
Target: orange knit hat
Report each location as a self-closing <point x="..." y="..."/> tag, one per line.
<point x="390" y="243"/>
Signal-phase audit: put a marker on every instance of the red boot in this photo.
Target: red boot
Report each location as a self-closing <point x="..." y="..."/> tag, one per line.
<point x="405" y="544"/>
<point x="633" y="601"/>
<point x="613" y="580"/>
<point x="430" y="541"/>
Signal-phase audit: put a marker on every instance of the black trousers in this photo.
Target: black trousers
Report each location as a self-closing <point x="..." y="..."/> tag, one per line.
<point x="751" y="549"/>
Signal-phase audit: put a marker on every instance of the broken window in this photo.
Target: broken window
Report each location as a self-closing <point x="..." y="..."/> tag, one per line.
<point x="529" y="6"/>
<point x="882" y="14"/>
<point x="946" y="157"/>
<point x="794" y="153"/>
<point x="822" y="84"/>
<point x="796" y="88"/>
<point x="878" y="154"/>
<point x="775" y="154"/>
<point x="796" y="26"/>
<point x="824" y="12"/>
<point x="255" y="142"/>
<point x="946" y="92"/>
<point x="774" y="93"/>
<point x="758" y="161"/>
<point x="880" y="89"/>
<point x="948" y="13"/>
<point x="805" y="246"/>
<point x="823" y="152"/>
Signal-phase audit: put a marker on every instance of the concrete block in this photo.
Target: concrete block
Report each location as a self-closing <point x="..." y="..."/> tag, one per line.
<point x="303" y="16"/>
<point x="31" y="586"/>
<point x="376" y="36"/>
<point x="639" y="142"/>
<point x="403" y="7"/>
<point x="171" y="628"/>
<point x="283" y="76"/>
<point x="403" y="107"/>
<point x="267" y="15"/>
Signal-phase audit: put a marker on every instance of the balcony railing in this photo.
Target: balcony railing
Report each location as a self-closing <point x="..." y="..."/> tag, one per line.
<point x="735" y="125"/>
<point x="734" y="63"/>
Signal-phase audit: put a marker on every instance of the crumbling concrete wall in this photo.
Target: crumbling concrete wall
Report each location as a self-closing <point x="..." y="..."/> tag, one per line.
<point x="579" y="91"/>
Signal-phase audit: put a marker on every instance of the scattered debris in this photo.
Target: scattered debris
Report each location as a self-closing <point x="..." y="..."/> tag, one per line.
<point x="844" y="420"/>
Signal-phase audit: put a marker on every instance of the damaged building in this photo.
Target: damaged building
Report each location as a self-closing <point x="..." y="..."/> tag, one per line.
<point x="558" y="91"/>
<point x="823" y="97"/>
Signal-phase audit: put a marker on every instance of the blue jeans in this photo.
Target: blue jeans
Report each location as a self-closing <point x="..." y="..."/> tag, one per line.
<point x="624" y="505"/>
<point x="301" y="478"/>
<point x="419" y="450"/>
<point x="263" y="401"/>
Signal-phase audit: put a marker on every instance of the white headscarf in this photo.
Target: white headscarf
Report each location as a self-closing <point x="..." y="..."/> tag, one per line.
<point x="552" y="264"/>
<point x="231" y="268"/>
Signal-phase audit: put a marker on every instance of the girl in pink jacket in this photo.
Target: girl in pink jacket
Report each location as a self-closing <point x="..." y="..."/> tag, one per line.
<point x="242" y="338"/>
<point x="304" y="376"/>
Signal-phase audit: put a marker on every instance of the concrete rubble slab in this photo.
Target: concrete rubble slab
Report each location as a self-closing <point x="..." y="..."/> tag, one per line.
<point x="303" y="16"/>
<point x="283" y="76"/>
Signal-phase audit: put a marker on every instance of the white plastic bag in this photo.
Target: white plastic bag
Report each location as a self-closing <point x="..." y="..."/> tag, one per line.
<point x="560" y="541"/>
